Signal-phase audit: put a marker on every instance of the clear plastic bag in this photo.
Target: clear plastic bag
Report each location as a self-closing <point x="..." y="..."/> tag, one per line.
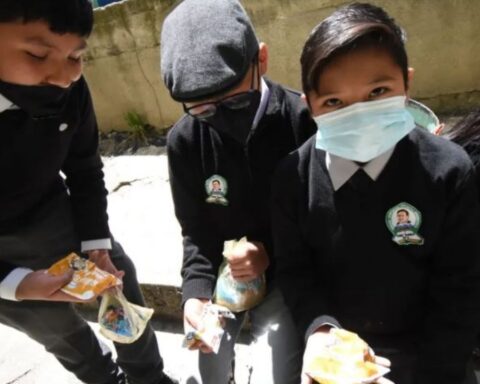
<point x="232" y="294"/>
<point x="120" y="320"/>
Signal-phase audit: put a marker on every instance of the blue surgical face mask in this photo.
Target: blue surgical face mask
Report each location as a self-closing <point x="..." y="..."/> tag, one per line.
<point x="364" y="130"/>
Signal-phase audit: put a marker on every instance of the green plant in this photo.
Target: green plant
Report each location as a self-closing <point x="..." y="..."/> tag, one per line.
<point x="137" y="127"/>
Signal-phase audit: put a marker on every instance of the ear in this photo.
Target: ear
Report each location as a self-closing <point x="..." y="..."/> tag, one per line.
<point x="439" y="130"/>
<point x="410" y="75"/>
<point x="263" y="58"/>
<point x="305" y="100"/>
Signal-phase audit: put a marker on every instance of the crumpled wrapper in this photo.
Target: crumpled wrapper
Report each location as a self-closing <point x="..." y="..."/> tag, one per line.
<point x="346" y="360"/>
<point x="211" y="330"/>
<point x="88" y="280"/>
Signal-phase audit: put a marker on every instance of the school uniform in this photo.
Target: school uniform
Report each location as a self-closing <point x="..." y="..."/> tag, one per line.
<point x="44" y="216"/>
<point x="199" y="154"/>
<point x="411" y="293"/>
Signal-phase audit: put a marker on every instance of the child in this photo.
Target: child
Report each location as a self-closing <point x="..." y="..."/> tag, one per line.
<point x="340" y="260"/>
<point x="48" y="126"/>
<point x="237" y="128"/>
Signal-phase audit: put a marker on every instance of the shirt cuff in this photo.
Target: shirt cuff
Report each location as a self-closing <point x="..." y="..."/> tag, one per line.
<point x="319" y="322"/>
<point x="92" y="245"/>
<point x="8" y="286"/>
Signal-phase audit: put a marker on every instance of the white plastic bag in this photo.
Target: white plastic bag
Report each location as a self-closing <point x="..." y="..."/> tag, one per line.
<point x="120" y="320"/>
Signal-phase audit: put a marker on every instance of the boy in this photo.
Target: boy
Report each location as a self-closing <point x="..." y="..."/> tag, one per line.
<point x="340" y="261"/>
<point x="48" y="126"/>
<point x="236" y="129"/>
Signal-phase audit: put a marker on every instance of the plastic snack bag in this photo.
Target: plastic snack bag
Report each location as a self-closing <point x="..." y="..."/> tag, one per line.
<point x="88" y="280"/>
<point x="120" y="320"/>
<point x="232" y="294"/>
<point x="211" y="331"/>
<point x="347" y="359"/>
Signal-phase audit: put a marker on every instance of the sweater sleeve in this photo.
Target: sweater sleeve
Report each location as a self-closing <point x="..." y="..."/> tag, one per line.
<point x="295" y="267"/>
<point x="202" y="246"/>
<point x="84" y="174"/>
<point x="454" y="292"/>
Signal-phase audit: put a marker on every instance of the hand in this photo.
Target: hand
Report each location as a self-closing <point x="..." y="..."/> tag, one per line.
<point x="320" y="340"/>
<point x="249" y="261"/>
<point x="192" y="320"/>
<point x="40" y="285"/>
<point x="102" y="260"/>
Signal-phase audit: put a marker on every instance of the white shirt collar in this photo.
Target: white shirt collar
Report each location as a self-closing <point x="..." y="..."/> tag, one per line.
<point x="341" y="170"/>
<point x="263" y="102"/>
<point x="5" y="104"/>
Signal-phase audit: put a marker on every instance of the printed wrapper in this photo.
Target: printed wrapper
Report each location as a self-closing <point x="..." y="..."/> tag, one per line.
<point x="211" y="331"/>
<point x="346" y="360"/>
<point x="120" y="320"/>
<point x="88" y="280"/>
<point x="235" y="295"/>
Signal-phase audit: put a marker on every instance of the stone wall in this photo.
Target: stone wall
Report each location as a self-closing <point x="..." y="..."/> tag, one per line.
<point x="122" y="65"/>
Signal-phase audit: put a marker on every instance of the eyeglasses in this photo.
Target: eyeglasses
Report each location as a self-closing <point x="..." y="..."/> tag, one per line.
<point x="234" y="102"/>
<point x="205" y="110"/>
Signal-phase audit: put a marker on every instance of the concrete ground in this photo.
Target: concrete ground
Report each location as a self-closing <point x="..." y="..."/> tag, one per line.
<point x="24" y="361"/>
<point x="143" y="221"/>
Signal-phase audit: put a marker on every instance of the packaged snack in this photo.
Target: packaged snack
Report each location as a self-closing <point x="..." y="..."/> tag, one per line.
<point x="232" y="294"/>
<point x="88" y="280"/>
<point x="346" y="360"/>
<point x="211" y="331"/>
<point x="120" y="320"/>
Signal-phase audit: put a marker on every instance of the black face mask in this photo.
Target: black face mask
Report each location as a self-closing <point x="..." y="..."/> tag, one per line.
<point x="236" y="123"/>
<point x="40" y="102"/>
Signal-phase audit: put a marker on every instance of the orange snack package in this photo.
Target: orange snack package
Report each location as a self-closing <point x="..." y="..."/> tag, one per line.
<point x="88" y="280"/>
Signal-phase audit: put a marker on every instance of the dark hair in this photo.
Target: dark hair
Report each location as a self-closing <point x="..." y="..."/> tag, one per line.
<point x="467" y="130"/>
<point x="63" y="16"/>
<point x="403" y="210"/>
<point x="350" y="27"/>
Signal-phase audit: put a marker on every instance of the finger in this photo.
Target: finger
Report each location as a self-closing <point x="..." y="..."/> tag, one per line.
<point x="195" y="345"/>
<point x="245" y="278"/>
<point x="242" y="273"/>
<point x="306" y="379"/>
<point x="382" y="361"/>
<point x="119" y="274"/>
<point x="383" y="380"/>
<point x="204" y="348"/>
<point x="235" y="261"/>
<point x="55" y="283"/>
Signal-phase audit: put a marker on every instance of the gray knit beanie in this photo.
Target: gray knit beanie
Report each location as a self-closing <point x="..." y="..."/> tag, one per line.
<point x="207" y="47"/>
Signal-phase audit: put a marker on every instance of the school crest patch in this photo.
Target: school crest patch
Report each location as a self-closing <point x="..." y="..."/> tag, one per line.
<point x="216" y="187"/>
<point x="403" y="221"/>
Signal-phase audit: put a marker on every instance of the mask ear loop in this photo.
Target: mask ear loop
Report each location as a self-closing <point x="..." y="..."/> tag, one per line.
<point x="257" y="71"/>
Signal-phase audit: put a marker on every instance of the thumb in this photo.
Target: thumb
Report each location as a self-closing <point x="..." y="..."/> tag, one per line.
<point x="57" y="282"/>
<point x="306" y="379"/>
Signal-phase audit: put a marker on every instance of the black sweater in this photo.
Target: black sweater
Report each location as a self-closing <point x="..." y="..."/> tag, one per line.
<point x="336" y="261"/>
<point x="196" y="152"/>
<point x="32" y="154"/>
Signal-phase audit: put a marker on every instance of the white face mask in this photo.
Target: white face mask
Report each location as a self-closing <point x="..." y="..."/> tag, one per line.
<point x="364" y="130"/>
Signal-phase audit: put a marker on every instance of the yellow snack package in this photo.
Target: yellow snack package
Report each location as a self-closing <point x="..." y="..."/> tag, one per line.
<point x="347" y="360"/>
<point x="88" y="280"/>
<point x="232" y="294"/>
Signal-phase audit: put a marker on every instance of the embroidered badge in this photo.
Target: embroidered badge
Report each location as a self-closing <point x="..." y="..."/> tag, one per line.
<point x="403" y="221"/>
<point x="217" y="188"/>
